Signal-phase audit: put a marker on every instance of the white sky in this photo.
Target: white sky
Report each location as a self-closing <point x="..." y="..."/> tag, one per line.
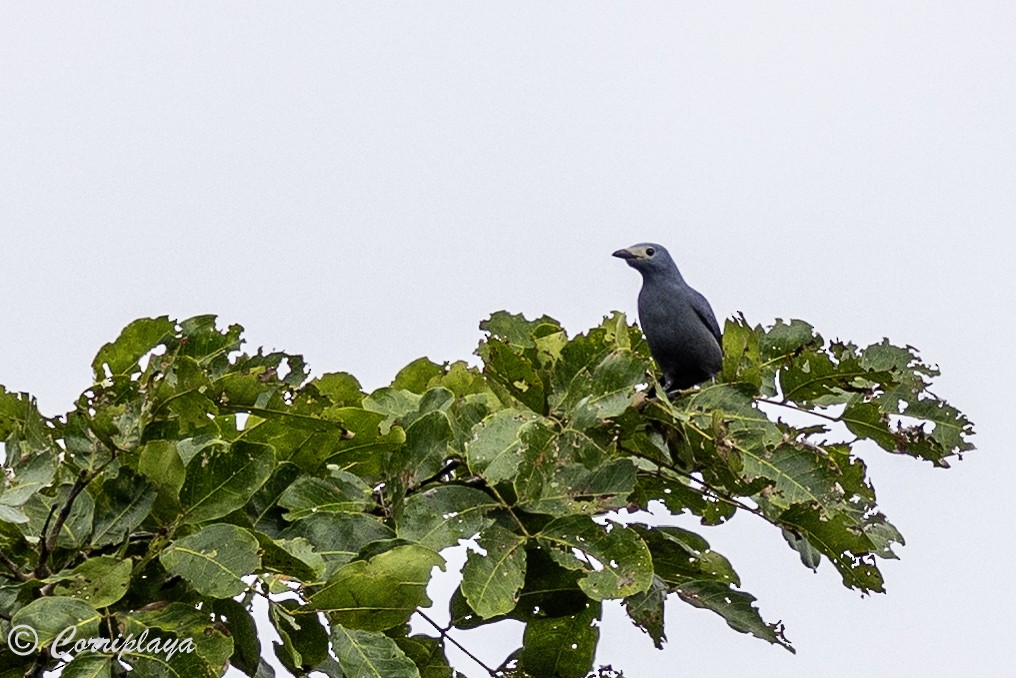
<point x="362" y="184"/>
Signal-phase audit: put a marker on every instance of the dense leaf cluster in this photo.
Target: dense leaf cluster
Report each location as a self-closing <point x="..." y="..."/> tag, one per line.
<point x="192" y="478"/>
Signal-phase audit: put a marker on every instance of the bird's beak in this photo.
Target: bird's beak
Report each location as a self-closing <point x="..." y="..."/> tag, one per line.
<point x="625" y="254"/>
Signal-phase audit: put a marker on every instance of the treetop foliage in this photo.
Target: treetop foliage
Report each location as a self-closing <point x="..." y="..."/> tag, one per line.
<point x="192" y="478"/>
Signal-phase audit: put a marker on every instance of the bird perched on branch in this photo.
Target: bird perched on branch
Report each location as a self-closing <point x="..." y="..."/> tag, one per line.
<point x="678" y="322"/>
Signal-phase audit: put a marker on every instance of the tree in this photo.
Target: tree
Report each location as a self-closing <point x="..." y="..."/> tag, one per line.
<point x="191" y="478"/>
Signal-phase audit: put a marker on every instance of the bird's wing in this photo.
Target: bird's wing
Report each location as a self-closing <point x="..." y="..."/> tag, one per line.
<point x="705" y="313"/>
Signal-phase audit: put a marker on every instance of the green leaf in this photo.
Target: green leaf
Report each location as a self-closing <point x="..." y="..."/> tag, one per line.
<point x="304" y="640"/>
<point x="180" y="665"/>
<point x="12" y="515"/>
<point x="951" y="426"/>
<point x="742" y="357"/>
<point x="549" y="591"/>
<point x="464" y="381"/>
<point x="364" y="449"/>
<point x="120" y="506"/>
<point x="513" y="375"/>
<point x="428" y="444"/>
<point x="137" y="339"/>
<point x="491" y="582"/>
<point x="222" y="479"/>
<point x="810" y="556"/>
<point x="597" y="375"/>
<point x="498" y="443"/>
<point x="393" y="403"/>
<point x="214" y="559"/>
<point x="441" y="516"/>
<point x="262" y="509"/>
<point x="515" y="330"/>
<point x="184" y="393"/>
<point x="842" y="540"/>
<point x="574" y="488"/>
<point x="647" y="609"/>
<point x="211" y="347"/>
<point x="341" y="493"/>
<point x="338" y="537"/>
<point x="626" y="563"/>
<point x="561" y="646"/>
<point x="198" y="646"/>
<point x="161" y="463"/>
<point x="417" y="375"/>
<point x="799" y="476"/>
<point x="20" y="420"/>
<point x="538" y="452"/>
<point x="812" y="377"/>
<point x="88" y="666"/>
<point x="735" y="607"/>
<point x="20" y="484"/>
<point x="246" y="646"/>
<point x="379" y="593"/>
<point x="75" y="530"/>
<point x="342" y="388"/>
<point x="98" y="581"/>
<point x="428" y="655"/>
<point x="50" y="615"/>
<point x="369" y="654"/>
<point x="680" y="556"/>
<point x="785" y="339"/>
<point x="295" y="558"/>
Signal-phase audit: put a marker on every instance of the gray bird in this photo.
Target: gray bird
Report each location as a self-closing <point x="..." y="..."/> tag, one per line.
<point x="678" y="322"/>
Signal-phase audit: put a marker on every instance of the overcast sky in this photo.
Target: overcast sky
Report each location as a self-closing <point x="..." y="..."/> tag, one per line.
<point x="363" y="184"/>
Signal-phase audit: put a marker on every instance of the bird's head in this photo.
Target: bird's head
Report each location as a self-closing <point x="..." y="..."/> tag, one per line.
<point x="647" y="258"/>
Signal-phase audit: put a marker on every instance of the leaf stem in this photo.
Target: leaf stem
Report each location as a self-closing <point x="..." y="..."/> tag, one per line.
<point x="497" y="495"/>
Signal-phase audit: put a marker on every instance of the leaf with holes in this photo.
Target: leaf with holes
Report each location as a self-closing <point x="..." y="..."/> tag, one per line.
<point x="491" y="582"/>
<point x="623" y="565"/>
<point x="214" y="560"/>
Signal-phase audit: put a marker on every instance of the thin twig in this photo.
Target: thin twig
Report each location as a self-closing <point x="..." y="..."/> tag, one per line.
<point x="719" y="495"/>
<point x="449" y="466"/>
<point x="49" y="541"/>
<point x="799" y="409"/>
<point x="154" y="547"/>
<point x="715" y="493"/>
<point x="445" y="636"/>
<point x="40" y="566"/>
<point x="15" y="570"/>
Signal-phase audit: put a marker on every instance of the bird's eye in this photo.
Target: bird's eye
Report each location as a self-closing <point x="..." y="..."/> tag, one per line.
<point x="650" y="251"/>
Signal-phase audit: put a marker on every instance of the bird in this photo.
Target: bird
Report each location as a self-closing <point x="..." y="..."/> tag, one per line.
<point x="680" y="326"/>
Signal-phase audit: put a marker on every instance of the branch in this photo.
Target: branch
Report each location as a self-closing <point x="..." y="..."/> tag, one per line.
<point x="48" y="543"/>
<point x="449" y="466"/>
<point x="445" y="636"/>
<point x="14" y="569"/>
